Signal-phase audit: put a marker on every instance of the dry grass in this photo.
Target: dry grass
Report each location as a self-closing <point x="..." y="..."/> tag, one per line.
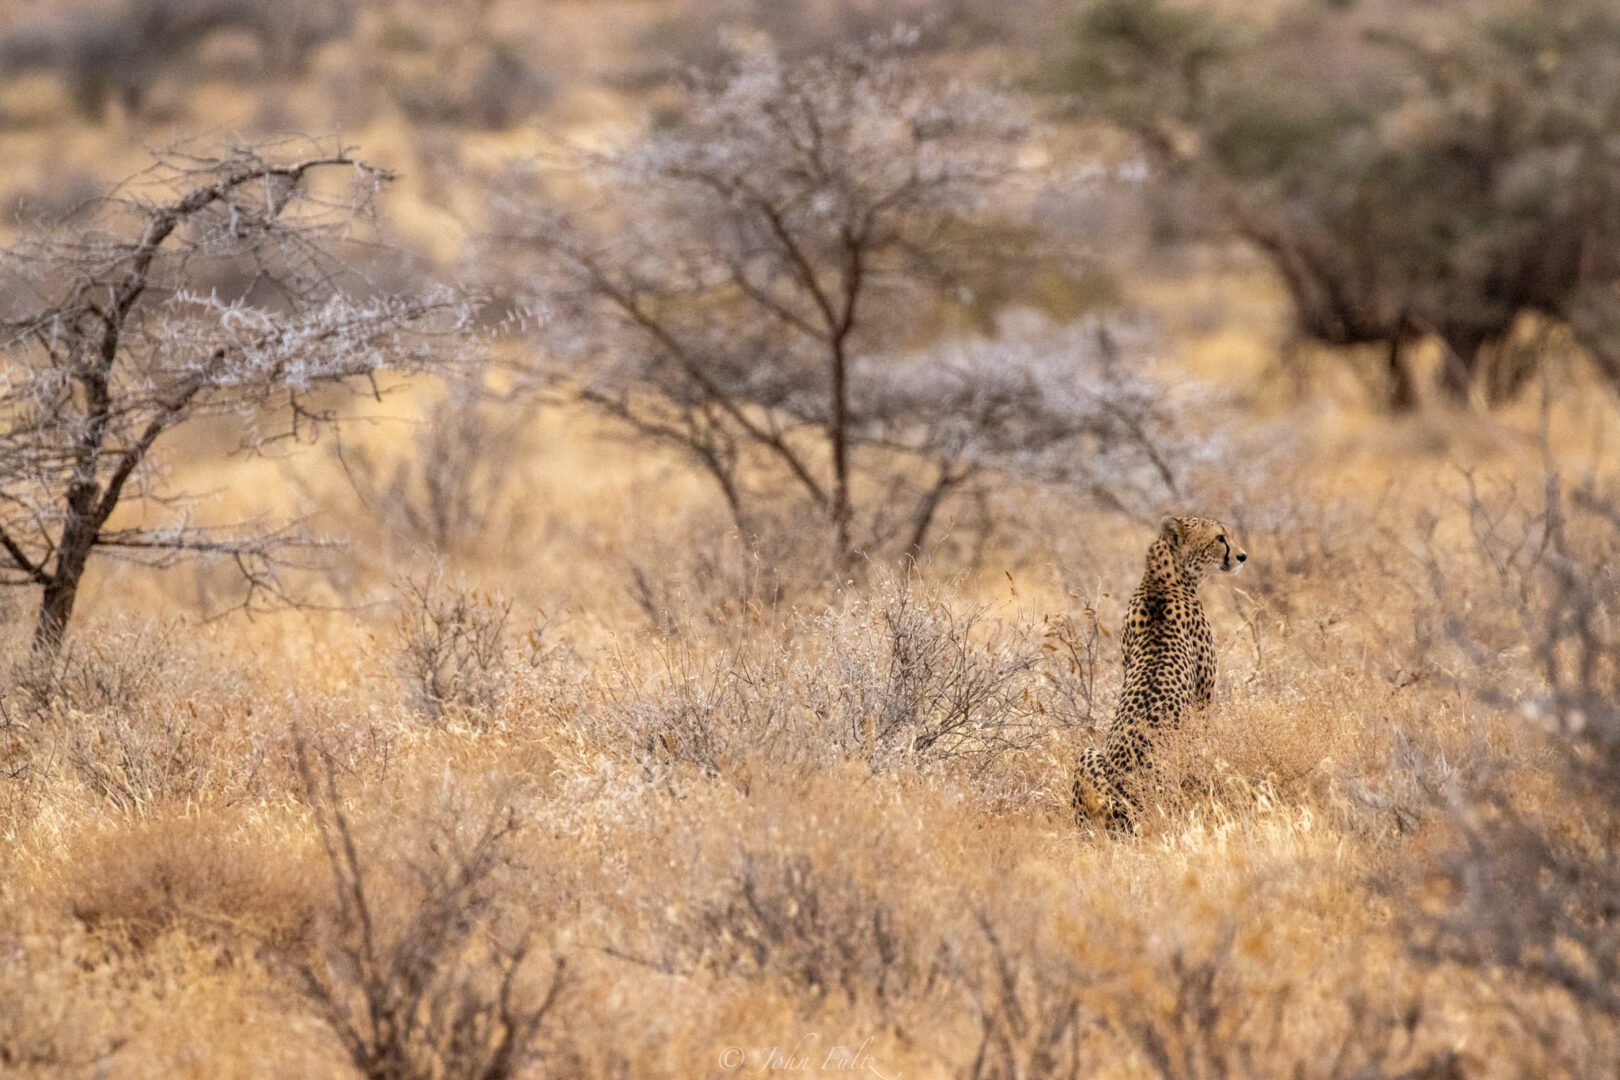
<point x="757" y="815"/>
<point x="772" y="822"/>
<point x="800" y="819"/>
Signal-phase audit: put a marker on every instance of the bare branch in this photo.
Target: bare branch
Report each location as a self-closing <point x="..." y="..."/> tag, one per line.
<point x="127" y="334"/>
<point x="785" y="230"/>
<point x="35" y="573"/>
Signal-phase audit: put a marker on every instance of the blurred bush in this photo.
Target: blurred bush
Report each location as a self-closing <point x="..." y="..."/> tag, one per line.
<point x="1526" y="886"/>
<point x="700" y="35"/>
<point x="116" y="52"/>
<point x="1411" y="171"/>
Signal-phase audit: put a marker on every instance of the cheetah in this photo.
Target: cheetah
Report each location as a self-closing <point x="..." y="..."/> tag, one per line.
<point x="1169" y="663"/>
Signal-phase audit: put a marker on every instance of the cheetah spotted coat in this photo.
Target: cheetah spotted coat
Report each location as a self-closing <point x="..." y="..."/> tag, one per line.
<point x="1169" y="664"/>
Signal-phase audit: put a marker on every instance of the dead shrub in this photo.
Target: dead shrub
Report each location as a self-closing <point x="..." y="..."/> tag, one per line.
<point x="1029" y="1006"/>
<point x="699" y="574"/>
<point x="1076" y="650"/>
<point x="1525" y="885"/>
<point x="111" y="666"/>
<point x="139" y="759"/>
<point x="419" y="973"/>
<point x="783" y="917"/>
<point x="459" y="473"/>
<point x="135" y="717"/>
<point x="902" y="676"/>
<point x="1204" y="1013"/>
<point x="1145" y="989"/>
<point x="454" y="648"/>
<point x="709" y="712"/>
<point x="911" y="676"/>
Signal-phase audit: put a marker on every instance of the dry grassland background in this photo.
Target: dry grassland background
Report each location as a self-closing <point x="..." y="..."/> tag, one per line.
<point x="561" y="774"/>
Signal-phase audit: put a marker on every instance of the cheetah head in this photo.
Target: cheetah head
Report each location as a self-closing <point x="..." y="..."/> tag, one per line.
<point x="1203" y="546"/>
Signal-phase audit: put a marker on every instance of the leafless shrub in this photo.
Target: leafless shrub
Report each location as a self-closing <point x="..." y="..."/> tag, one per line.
<point x="913" y="678"/>
<point x="711" y="710"/>
<point x="123" y="710"/>
<point x="781" y="917"/>
<point x="209" y="286"/>
<point x="1147" y="991"/>
<point x="122" y="666"/>
<point x="452" y="646"/>
<point x="902" y="677"/>
<point x="719" y="580"/>
<point x="1031" y="1011"/>
<point x="445" y="490"/>
<point x="420" y="978"/>
<point x="698" y="572"/>
<point x="1076" y="648"/>
<point x="1529" y="884"/>
<point x="1204" y="1017"/>
<point x="135" y="760"/>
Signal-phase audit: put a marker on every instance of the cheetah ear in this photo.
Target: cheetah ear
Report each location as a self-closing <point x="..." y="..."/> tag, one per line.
<point x="1170" y="527"/>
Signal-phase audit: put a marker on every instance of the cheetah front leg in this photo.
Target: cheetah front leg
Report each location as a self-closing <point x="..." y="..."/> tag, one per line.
<point x="1098" y="795"/>
<point x="1090" y="797"/>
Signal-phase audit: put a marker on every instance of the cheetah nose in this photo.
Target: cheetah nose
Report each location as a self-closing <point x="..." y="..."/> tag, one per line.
<point x="1242" y="556"/>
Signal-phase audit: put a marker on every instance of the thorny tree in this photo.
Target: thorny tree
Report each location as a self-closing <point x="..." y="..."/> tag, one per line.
<point x="205" y="287"/>
<point x="781" y="252"/>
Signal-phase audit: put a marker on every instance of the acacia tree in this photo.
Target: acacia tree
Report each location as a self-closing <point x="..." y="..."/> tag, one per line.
<point x="1433" y="171"/>
<point x="207" y="287"/>
<point x="759" y="274"/>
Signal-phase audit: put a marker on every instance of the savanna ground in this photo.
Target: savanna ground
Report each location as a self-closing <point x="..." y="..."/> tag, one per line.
<point x="600" y="764"/>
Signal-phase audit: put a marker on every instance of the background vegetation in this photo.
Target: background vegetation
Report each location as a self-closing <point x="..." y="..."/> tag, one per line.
<point x="606" y="571"/>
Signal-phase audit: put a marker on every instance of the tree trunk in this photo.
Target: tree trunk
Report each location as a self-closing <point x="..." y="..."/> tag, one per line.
<point x="55" y="609"/>
<point x="1510" y="369"/>
<point x="1460" y="367"/>
<point x="922" y="520"/>
<point x="841" y="327"/>
<point x="840" y="457"/>
<point x="62" y="590"/>
<point x="1402" y="388"/>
